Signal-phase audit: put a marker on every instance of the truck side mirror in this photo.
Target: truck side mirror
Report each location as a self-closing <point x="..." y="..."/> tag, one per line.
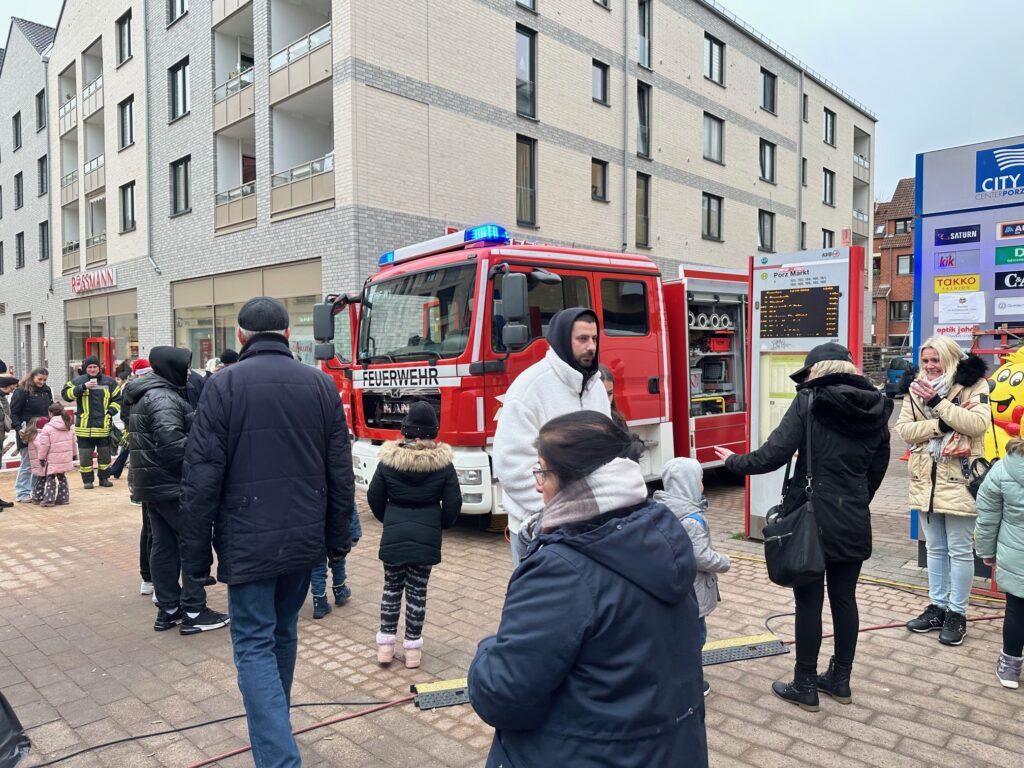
<point x="323" y="321"/>
<point x="513" y="297"/>
<point x="515" y="335"/>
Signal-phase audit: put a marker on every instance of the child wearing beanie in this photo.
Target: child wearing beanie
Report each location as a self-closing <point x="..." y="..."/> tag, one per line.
<point x="415" y="494"/>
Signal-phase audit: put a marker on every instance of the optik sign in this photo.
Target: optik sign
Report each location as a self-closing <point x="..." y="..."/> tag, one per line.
<point x="999" y="172"/>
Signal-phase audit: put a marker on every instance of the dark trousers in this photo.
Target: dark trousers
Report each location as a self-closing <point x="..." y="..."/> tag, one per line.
<point x="412" y="580"/>
<point x="55" y="491"/>
<point x="38" y="487"/>
<point x="119" y="462"/>
<point x="841" y="582"/>
<point x="145" y="545"/>
<point x="165" y="562"/>
<point x="86" y="445"/>
<point x="1013" y="626"/>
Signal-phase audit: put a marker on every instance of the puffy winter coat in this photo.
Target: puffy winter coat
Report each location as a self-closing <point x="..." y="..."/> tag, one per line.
<point x="55" y="445"/>
<point x="849" y="457"/>
<point x="159" y="418"/>
<point x="999" y="531"/>
<point x="94" y="408"/>
<point x="268" y="468"/>
<point x="415" y="493"/>
<point x="597" y="660"/>
<point x="27" y="404"/>
<point x="941" y="486"/>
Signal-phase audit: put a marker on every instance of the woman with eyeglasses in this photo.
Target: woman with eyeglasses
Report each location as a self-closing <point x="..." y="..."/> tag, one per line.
<point x="597" y="657"/>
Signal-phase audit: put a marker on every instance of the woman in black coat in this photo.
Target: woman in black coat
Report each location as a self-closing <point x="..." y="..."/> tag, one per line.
<point x="849" y="427"/>
<point x="30" y="400"/>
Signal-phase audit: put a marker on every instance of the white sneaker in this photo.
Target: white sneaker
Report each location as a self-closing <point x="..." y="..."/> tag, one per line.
<point x="146" y="588"/>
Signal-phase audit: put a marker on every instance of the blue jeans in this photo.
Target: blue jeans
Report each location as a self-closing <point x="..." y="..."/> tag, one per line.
<point x="318" y="576"/>
<point x="949" y="540"/>
<point x="264" y="639"/>
<point x="23" y="485"/>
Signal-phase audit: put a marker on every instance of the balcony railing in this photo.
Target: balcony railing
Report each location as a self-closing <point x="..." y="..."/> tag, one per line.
<point x="71" y="246"/>
<point x="859" y="215"/>
<point x="229" y="88"/>
<point x="244" y="190"/>
<point x="92" y="87"/>
<point x="96" y="240"/>
<point x="68" y="179"/>
<point x="304" y="171"/>
<point x="93" y="165"/>
<point x="67" y="106"/>
<point x="862" y="161"/>
<point x="298" y="49"/>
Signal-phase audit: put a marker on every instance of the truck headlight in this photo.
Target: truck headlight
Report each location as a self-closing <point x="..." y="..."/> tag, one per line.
<point x="470" y="476"/>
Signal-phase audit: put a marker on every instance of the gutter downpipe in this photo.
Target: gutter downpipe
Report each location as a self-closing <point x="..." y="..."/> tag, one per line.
<point x="149" y="153"/>
<point x="800" y="165"/>
<point x="625" y="126"/>
<point x="49" y="184"/>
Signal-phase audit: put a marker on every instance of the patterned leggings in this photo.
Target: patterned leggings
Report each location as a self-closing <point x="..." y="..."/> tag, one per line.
<point x="56" y="490"/>
<point x="411" y="579"/>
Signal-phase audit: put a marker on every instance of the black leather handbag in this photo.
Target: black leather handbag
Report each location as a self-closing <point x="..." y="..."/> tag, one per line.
<point x="792" y="541"/>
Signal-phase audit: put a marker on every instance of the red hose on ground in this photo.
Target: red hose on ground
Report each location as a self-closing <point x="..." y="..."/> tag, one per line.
<point x="894" y="626"/>
<point x="314" y="726"/>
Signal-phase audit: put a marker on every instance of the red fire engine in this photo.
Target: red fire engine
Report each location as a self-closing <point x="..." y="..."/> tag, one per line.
<point x="455" y="319"/>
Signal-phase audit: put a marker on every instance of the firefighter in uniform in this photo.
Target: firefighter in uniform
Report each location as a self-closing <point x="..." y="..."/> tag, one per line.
<point x="97" y="398"/>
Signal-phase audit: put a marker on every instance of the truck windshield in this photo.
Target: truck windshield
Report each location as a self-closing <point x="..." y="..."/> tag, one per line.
<point x="422" y="316"/>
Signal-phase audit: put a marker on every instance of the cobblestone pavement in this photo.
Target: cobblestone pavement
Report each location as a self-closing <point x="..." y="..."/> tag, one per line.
<point x="81" y="665"/>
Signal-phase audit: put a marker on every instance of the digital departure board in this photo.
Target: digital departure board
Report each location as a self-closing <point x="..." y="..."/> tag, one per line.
<point x="800" y="313"/>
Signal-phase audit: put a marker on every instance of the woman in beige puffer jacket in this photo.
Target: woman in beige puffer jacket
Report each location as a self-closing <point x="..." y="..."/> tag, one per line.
<point x="948" y="399"/>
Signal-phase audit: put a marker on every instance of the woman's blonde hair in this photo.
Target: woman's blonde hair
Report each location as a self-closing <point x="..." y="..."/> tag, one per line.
<point x="1015" y="446"/>
<point x="30" y="430"/>
<point x="950" y="354"/>
<point x="826" y="367"/>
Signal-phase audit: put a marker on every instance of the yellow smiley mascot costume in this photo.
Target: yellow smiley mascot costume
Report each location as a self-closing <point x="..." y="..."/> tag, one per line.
<point x="1007" y="401"/>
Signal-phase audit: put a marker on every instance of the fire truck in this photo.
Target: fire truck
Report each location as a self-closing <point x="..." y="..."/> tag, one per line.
<point x="453" y="320"/>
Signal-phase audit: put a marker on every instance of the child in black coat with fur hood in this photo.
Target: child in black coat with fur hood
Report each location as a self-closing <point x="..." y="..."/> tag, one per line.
<point x="415" y="493"/>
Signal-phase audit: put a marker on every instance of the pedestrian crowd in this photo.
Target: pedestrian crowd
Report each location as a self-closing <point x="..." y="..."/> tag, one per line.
<point x="597" y="655"/>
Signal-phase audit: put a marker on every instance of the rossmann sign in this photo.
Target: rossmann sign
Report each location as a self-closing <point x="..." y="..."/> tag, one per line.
<point x="999" y="172"/>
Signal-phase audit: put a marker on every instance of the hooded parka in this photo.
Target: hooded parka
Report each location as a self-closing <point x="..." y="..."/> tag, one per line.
<point x="158" y="423"/>
<point x="999" y="531"/>
<point x="849" y="426"/>
<point x="941" y="486"/>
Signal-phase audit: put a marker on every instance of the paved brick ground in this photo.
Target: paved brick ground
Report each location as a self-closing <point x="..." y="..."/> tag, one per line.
<point x="81" y="665"/>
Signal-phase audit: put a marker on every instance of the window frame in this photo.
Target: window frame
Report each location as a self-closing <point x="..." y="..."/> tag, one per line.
<point x="768" y="217"/>
<point x="907" y="226"/>
<point x="910" y="264"/>
<point x="597" y="66"/>
<point x="769" y="78"/>
<point x="40" y="101"/>
<point x="127" y="106"/>
<point x="829" y="127"/>
<point x="828" y="238"/>
<point x="185" y="163"/>
<point x="616" y="333"/>
<point x="19" y="250"/>
<point x="44" y="240"/>
<point x="42" y="175"/>
<point x="707" y="199"/>
<point x="531" y="143"/>
<point x="805" y="108"/>
<point x="716" y="122"/>
<point x="803" y="236"/>
<point x="828" y="187"/>
<point x="645" y="21"/>
<point x="16" y="128"/>
<point x="898" y="316"/>
<point x="767" y="151"/>
<point x="570" y="278"/>
<point x="645" y="97"/>
<point x="176" y="9"/>
<point x="803" y="171"/>
<point x="123" y="38"/>
<point x="19" y="190"/>
<point x="603" y="166"/>
<point x="530" y="35"/>
<point x="123" y="193"/>
<point x="178" y="74"/>
<point x="646" y="211"/>
<point x="710" y="44"/>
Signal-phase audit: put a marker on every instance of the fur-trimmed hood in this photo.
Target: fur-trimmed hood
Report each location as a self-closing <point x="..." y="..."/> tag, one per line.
<point x="423" y="456"/>
<point x="970" y="371"/>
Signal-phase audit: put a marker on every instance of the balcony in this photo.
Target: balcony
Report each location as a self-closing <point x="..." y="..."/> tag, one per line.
<point x="861" y="168"/>
<point x="222" y="9"/>
<point x="861" y="223"/>
<point x="96" y="250"/>
<point x="67" y="115"/>
<point x="70" y="257"/>
<point x="69" y="188"/>
<point x="303" y="189"/>
<point x="92" y="97"/>
<point x="233" y="100"/>
<point x="303" y="63"/>
<point x="94" y="175"/>
<point x="235" y="209"/>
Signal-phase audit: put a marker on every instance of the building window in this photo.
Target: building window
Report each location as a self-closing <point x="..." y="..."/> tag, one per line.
<point x="526" y="181"/>
<point x="830" y="127"/>
<point x="901" y="310"/>
<point x="643" y="119"/>
<point x="828" y="187"/>
<point x="19" y="191"/>
<point x="19" y="250"/>
<point x="176" y="9"/>
<point x="643" y="210"/>
<point x="42" y="173"/>
<point x="44" y="240"/>
<point x="803" y="235"/>
<point x="765" y="231"/>
<point x="526" y="67"/>
<point x="643" y="33"/>
<point x="806" y="109"/>
<point x="876" y="266"/>
<point x="905" y="264"/>
<point x="598" y="180"/>
<point x="768" y="88"/>
<point x="714" y="59"/>
<point x="767" y="161"/>
<point x="828" y="238"/>
<point x="178" y="87"/>
<point x="713" y="129"/>
<point x="41" y="110"/>
<point x="904" y="226"/>
<point x="803" y="171"/>
<point x="711" y="217"/>
<point x="181" y="181"/>
<point x="124" y="38"/>
<point x="16" y="129"/>
<point x="1" y="258"/>
<point x="599" y="85"/>
<point x="624" y="308"/>
<point x="127" y="195"/>
<point x="126" y="122"/>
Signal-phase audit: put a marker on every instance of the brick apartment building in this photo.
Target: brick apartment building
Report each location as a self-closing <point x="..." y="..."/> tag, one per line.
<point x="892" y="264"/>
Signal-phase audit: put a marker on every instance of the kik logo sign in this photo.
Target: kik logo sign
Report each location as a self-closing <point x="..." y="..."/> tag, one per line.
<point x="999" y="172"/>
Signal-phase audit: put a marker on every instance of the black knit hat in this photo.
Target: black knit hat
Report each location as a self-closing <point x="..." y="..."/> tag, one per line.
<point x="229" y="356"/>
<point x="90" y="360"/>
<point x="6" y="381"/>
<point x="820" y="353"/>
<point x="263" y="314"/>
<point x="421" y="421"/>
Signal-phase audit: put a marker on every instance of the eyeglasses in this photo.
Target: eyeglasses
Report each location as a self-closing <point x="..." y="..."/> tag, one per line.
<point x="538" y="473"/>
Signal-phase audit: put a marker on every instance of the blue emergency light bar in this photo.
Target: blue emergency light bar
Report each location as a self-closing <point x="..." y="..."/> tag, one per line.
<point x="484" y="233"/>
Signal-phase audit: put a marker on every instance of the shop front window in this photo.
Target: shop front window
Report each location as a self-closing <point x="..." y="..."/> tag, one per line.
<point x="193" y="329"/>
<point x="225" y="327"/>
<point x="300" y="337"/>
<point x="78" y="331"/>
<point x="125" y="330"/>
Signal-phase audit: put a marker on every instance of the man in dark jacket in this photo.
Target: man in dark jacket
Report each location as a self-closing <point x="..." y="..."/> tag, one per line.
<point x="159" y="420"/>
<point x="268" y="469"/>
<point x="97" y="399"/>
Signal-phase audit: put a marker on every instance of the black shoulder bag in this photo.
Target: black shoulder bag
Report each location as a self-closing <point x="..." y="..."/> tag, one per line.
<point x="792" y="542"/>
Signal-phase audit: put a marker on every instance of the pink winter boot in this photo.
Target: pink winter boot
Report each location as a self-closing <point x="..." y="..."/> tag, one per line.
<point x="413" y="653"/>
<point x="385" y="649"/>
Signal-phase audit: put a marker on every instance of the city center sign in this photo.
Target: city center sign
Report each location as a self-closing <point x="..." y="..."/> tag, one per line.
<point x="95" y="280"/>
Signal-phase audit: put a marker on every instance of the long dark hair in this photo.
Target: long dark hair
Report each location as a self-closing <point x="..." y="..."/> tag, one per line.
<point x="56" y="411"/>
<point x="576" y="444"/>
<point x="26" y="383"/>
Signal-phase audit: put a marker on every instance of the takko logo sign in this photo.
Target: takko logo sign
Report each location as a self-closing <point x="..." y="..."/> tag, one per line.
<point x="93" y="281"/>
<point x="958" y="284"/>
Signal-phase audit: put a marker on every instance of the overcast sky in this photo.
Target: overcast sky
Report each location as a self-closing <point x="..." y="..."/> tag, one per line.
<point x="937" y="73"/>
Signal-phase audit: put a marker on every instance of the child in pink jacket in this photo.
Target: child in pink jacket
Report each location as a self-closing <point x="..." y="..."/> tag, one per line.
<point x="55" y="447"/>
<point x="30" y="436"/>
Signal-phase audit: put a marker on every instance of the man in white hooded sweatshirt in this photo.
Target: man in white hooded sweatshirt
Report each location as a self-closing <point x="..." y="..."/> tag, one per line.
<point x="565" y="380"/>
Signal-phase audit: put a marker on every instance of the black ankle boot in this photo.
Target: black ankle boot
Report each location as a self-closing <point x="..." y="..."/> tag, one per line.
<point x="836" y="681"/>
<point x="803" y="691"/>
